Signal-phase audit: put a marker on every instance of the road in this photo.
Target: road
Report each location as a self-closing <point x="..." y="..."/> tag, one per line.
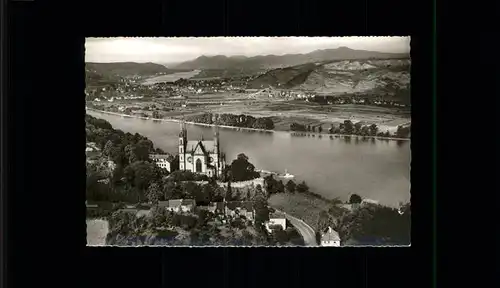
<point x="305" y="230"/>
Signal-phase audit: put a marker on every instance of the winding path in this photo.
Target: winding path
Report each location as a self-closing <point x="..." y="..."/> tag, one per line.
<point x="304" y="229"/>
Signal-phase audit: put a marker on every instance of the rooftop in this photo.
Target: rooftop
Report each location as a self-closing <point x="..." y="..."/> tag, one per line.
<point x="160" y="156"/>
<point x="175" y="203"/>
<point x="276" y="215"/>
<point x="206" y="145"/>
<point x="232" y="205"/>
<point x="330" y="235"/>
<point x="217" y="205"/>
<point x="170" y="203"/>
<point x="188" y="202"/>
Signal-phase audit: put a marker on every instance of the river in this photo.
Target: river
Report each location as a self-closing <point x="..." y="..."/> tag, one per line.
<point x="374" y="169"/>
<point x="170" y="77"/>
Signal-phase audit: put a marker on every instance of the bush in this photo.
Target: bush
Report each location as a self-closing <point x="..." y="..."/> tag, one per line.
<point x="355" y="199"/>
<point x="186" y="222"/>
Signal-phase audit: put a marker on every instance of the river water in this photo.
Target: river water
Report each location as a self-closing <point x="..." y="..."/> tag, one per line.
<point x="374" y="169"/>
<point x="171" y="77"/>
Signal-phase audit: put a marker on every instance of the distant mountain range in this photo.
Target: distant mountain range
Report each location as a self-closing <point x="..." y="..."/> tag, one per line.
<point x="274" y="61"/>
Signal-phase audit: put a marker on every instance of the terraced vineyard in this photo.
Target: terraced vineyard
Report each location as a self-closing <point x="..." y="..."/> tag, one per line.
<point x="375" y="77"/>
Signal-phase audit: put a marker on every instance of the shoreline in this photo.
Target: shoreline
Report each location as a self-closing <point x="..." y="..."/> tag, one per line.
<point x="246" y="128"/>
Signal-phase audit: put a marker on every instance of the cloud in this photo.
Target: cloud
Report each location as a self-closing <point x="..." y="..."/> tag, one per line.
<point x="165" y="50"/>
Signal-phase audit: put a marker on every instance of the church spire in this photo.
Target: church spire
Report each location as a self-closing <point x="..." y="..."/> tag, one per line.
<point x="183" y="132"/>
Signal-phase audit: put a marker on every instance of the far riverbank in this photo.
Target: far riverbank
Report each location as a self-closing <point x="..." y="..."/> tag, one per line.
<point x="245" y="128"/>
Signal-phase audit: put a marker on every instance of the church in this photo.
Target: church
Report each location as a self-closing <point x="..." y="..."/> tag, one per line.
<point x="201" y="156"/>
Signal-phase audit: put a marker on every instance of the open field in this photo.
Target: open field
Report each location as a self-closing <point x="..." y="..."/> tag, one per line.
<point x="302" y="206"/>
<point x="283" y="112"/>
<point x="97" y="230"/>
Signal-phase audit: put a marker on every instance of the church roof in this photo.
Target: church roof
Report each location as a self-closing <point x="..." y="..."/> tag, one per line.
<point x="206" y="146"/>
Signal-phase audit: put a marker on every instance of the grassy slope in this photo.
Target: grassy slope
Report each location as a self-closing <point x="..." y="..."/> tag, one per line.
<point x="302" y="206"/>
<point x="379" y="77"/>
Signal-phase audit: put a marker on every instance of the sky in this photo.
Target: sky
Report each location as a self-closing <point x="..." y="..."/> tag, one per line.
<point x="180" y="49"/>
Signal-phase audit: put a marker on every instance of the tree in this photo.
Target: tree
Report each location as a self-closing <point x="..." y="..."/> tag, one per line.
<point x="207" y="192"/>
<point x="108" y="148"/>
<point x="144" y="175"/>
<point x="357" y="128"/>
<point x="261" y="212"/>
<point x="348" y="127"/>
<point x="130" y="153"/>
<point x="403" y="132"/>
<point x="229" y="192"/>
<point x="192" y="190"/>
<point x="325" y="220"/>
<point x="143" y="148"/>
<point x="341" y="128"/>
<point x="281" y="236"/>
<point x="259" y="193"/>
<point x="355" y="199"/>
<point x="290" y="186"/>
<point x="271" y="184"/>
<point x="158" y="216"/>
<point x="242" y="170"/>
<point x="156" y="115"/>
<point x="377" y="224"/>
<point x="154" y="193"/>
<point x="373" y="129"/>
<point x="302" y="187"/>
<point x="365" y="131"/>
<point x="280" y="187"/>
<point x="159" y="151"/>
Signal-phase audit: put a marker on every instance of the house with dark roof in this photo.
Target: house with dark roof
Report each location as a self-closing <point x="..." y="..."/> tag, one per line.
<point x="240" y="208"/>
<point x="330" y="238"/>
<point x="217" y="207"/>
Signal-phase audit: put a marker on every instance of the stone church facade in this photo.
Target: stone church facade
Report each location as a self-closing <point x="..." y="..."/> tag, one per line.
<point x="201" y="156"/>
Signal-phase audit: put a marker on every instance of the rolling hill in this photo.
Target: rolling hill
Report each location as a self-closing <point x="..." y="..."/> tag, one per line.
<point x="376" y="77"/>
<point x="274" y="61"/>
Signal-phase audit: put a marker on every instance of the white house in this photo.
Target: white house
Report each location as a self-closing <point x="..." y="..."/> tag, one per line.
<point x="330" y="238"/>
<point x="276" y="219"/>
<point x="178" y="205"/>
<point x="162" y="160"/>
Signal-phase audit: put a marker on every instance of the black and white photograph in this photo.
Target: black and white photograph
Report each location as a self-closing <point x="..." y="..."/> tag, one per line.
<point x="248" y="141"/>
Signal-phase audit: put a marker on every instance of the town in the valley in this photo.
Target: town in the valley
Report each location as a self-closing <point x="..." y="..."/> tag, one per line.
<point x="146" y="191"/>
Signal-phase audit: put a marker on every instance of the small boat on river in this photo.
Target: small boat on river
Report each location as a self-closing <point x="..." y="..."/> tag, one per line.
<point x="288" y="175"/>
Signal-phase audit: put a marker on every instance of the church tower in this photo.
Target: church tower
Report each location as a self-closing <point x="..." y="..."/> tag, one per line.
<point x="182" y="146"/>
<point x="217" y="152"/>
